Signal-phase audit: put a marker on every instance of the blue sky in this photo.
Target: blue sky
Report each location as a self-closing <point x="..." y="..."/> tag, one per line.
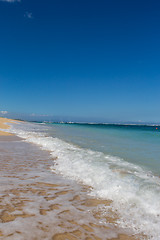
<point x="81" y="59"/>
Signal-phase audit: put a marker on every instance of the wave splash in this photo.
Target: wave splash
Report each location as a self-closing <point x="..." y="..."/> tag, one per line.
<point x="135" y="192"/>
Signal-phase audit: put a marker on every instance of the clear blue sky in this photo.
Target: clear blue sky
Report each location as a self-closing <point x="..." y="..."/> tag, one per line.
<point x="81" y="58"/>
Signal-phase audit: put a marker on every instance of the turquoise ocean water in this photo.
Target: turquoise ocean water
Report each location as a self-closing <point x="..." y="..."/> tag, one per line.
<point x="118" y="162"/>
<point x="138" y="144"/>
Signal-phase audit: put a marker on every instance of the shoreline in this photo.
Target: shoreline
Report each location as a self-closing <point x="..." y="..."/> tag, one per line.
<point x="3" y="125"/>
<point x="38" y="195"/>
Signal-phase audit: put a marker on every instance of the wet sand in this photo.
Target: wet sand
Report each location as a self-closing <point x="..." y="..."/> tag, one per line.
<point x="3" y="125"/>
<point x="35" y="203"/>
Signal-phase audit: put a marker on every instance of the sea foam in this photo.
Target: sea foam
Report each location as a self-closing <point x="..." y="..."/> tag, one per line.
<point x="134" y="191"/>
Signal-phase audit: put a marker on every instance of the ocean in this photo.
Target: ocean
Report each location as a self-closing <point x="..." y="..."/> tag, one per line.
<point x="120" y="163"/>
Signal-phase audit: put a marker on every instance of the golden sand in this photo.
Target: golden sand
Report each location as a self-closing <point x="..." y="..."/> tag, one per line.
<point x="83" y="231"/>
<point x="3" y="125"/>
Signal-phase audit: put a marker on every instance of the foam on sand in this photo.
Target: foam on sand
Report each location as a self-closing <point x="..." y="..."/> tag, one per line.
<point x="37" y="204"/>
<point x="130" y="187"/>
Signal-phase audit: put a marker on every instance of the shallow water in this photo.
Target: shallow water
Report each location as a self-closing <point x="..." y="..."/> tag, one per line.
<point x="37" y="204"/>
<point x="133" y="143"/>
<point x="120" y="163"/>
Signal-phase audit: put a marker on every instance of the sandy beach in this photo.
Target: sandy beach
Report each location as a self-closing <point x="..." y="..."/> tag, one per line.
<point x="3" y="125"/>
<point x="36" y="203"/>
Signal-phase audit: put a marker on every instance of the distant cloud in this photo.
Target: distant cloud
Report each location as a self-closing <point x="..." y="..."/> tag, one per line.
<point x="10" y="1"/>
<point x="39" y="115"/>
<point x="3" y="112"/>
<point x="28" y="15"/>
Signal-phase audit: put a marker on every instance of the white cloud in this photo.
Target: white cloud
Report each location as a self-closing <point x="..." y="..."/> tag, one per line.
<point x="3" y="112"/>
<point x="39" y="115"/>
<point x="10" y="1"/>
<point x="28" y="15"/>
